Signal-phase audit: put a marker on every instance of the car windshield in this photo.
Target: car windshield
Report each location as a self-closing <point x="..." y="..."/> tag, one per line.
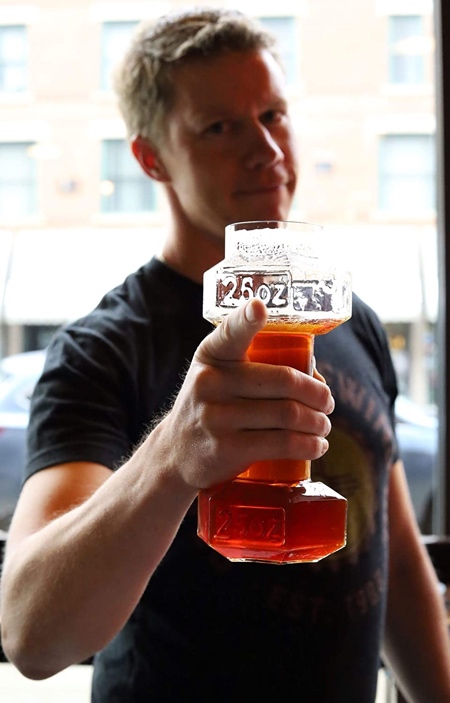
<point x="18" y="376"/>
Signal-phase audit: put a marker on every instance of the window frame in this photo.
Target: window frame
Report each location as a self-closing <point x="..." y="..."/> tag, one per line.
<point x="394" y="55"/>
<point x="140" y="180"/>
<point x="386" y="175"/>
<point x="4" y="64"/>
<point x="107" y="66"/>
<point x="29" y="187"/>
<point x="441" y="511"/>
<point x="289" y="58"/>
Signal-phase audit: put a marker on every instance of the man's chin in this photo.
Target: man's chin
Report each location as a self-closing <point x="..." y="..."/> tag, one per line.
<point x="265" y="214"/>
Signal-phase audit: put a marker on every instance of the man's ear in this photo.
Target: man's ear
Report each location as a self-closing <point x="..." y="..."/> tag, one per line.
<point x="148" y="159"/>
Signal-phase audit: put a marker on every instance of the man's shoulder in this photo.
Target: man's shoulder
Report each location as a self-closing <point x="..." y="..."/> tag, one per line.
<point x="151" y="304"/>
<point x="153" y="288"/>
<point x="361" y="309"/>
<point x="139" y="286"/>
<point x="364" y="320"/>
<point x="362" y="334"/>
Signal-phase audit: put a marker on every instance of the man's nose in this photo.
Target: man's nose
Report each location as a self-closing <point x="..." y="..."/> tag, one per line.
<point x="262" y="148"/>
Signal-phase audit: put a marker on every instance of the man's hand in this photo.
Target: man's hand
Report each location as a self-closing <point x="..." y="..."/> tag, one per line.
<point x="231" y="412"/>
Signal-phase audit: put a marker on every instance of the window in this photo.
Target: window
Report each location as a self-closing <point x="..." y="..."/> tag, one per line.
<point x="18" y="181"/>
<point x="13" y="59"/>
<point x="37" y="336"/>
<point x="284" y="30"/>
<point x="406" y="49"/>
<point x="124" y="187"/>
<point x="115" y="38"/>
<point x="407" y="173"/>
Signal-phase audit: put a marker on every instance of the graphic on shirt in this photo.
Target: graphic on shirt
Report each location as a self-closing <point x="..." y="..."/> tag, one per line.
<point x="360" y="453"/>
<point x="348" y="469"/>
<point x="356" y="465"/>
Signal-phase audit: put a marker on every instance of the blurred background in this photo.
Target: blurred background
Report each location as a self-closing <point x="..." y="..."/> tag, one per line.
<point x="77" y="215"/>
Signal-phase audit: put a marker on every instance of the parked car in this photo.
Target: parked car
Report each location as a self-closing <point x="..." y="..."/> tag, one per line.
<point x="18" y="376"/>
<point x="417" y="434"/>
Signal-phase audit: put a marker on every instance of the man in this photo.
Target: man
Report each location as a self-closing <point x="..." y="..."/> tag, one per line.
<point x="102" y="553"/>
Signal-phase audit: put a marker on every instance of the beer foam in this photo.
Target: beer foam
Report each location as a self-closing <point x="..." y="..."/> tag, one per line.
<point x="271" y="244"/>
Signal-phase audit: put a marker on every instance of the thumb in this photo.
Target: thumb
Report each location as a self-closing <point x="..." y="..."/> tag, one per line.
<point x="232" y="338"/>
<point x="317" y="373"/>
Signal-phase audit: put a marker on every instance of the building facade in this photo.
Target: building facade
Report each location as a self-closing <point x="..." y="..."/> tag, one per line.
<point x="76" y="214"/>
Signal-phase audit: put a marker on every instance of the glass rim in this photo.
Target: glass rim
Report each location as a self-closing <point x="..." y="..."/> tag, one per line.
<point x="272" y="224"/>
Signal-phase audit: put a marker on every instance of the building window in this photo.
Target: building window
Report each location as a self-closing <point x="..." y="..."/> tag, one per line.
<point x="13" y="59"/>
<point x="38" y="336"/>
<point x="283" y="28"/>
<point x="406" y="49"/>
<point x="124" y="186"/>
<point x="18" y="180"/>
<point x="407" y="173"/>
<point x="115" y="39"/>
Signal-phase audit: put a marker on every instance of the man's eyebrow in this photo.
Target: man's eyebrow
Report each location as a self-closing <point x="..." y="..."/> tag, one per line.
<point x="217" y="113"/>
<point x="279" y="102"/>
<point x="213" y="115"/>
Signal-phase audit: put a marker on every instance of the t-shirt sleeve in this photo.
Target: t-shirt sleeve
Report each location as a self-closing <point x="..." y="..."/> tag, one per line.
<point x="373" y="336"/>
<point x="83" y="404"/>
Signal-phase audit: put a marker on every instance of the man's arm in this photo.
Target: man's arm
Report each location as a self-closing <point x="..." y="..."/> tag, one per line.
<point x="84" y="542"/>
<point x="417" y="644"/>
<point x="73" y="575"/>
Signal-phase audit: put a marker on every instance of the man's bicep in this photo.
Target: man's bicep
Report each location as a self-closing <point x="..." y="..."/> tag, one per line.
<point x="402" y="519"/>
<point x="52" y="492"/>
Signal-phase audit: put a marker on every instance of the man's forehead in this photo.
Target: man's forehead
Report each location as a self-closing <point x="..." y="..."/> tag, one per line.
<point x="209" y="85"/>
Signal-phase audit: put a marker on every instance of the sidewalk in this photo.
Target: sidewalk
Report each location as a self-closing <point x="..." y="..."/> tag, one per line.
<point x="69" y="686"/>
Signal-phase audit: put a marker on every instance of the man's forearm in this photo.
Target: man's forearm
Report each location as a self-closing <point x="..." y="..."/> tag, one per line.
<point x="70" y="587"/>
<point x="417" y="643"/>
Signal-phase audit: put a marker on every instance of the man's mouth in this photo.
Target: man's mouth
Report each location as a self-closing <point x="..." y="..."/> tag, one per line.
<point x="261" y="189"/>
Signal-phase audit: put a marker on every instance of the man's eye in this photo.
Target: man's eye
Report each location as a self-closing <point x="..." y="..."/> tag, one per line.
<point x="216" y="128"/>
<point x="272" y="116"/>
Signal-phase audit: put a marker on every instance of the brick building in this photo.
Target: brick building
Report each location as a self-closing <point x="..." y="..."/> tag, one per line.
<point x="76" y="214"/>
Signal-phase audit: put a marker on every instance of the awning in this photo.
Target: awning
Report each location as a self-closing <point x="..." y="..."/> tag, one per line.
<point x="51" y="276"/>
<point x="58" y="275"/>
<point x="394" y="268"/>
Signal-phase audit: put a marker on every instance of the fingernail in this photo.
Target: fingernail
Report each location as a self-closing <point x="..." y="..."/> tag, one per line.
<point x="324" y="446"/>
<point x="331" y="405"/>
<point x="250" y="313"/>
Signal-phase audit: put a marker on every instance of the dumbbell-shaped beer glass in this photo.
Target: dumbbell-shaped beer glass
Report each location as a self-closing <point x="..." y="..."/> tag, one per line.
<point x="273" y="512"/>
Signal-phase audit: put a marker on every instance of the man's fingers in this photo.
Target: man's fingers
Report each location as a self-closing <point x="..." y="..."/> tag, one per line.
<point x="253" y="381"/>
<point x="318" y="375"/>
<point x="260" y="414"/>
<point x="231" y="339"/>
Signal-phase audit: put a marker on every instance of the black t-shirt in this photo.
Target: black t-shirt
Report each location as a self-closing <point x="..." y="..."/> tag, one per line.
<point x="207" y="629"/>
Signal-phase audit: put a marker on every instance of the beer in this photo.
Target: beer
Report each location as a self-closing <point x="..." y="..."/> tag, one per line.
<point x="289" y="344"/>
<point x="273" y="512"/>
<point x="255" y="521"/>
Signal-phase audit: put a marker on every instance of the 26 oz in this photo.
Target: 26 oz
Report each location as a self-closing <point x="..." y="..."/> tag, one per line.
<point x="272" y="295"/>
<point x="241" y="525"/>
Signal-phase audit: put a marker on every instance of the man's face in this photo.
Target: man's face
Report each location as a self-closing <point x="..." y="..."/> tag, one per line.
<point x="229" y="149"/>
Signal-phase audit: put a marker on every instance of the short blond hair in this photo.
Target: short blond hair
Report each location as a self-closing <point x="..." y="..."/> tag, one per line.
<point x="142" y="81"/>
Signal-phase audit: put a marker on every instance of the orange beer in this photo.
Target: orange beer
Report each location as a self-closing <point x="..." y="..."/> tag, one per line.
<point x="288" y="345"/>
<point x="272" y="511"/>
